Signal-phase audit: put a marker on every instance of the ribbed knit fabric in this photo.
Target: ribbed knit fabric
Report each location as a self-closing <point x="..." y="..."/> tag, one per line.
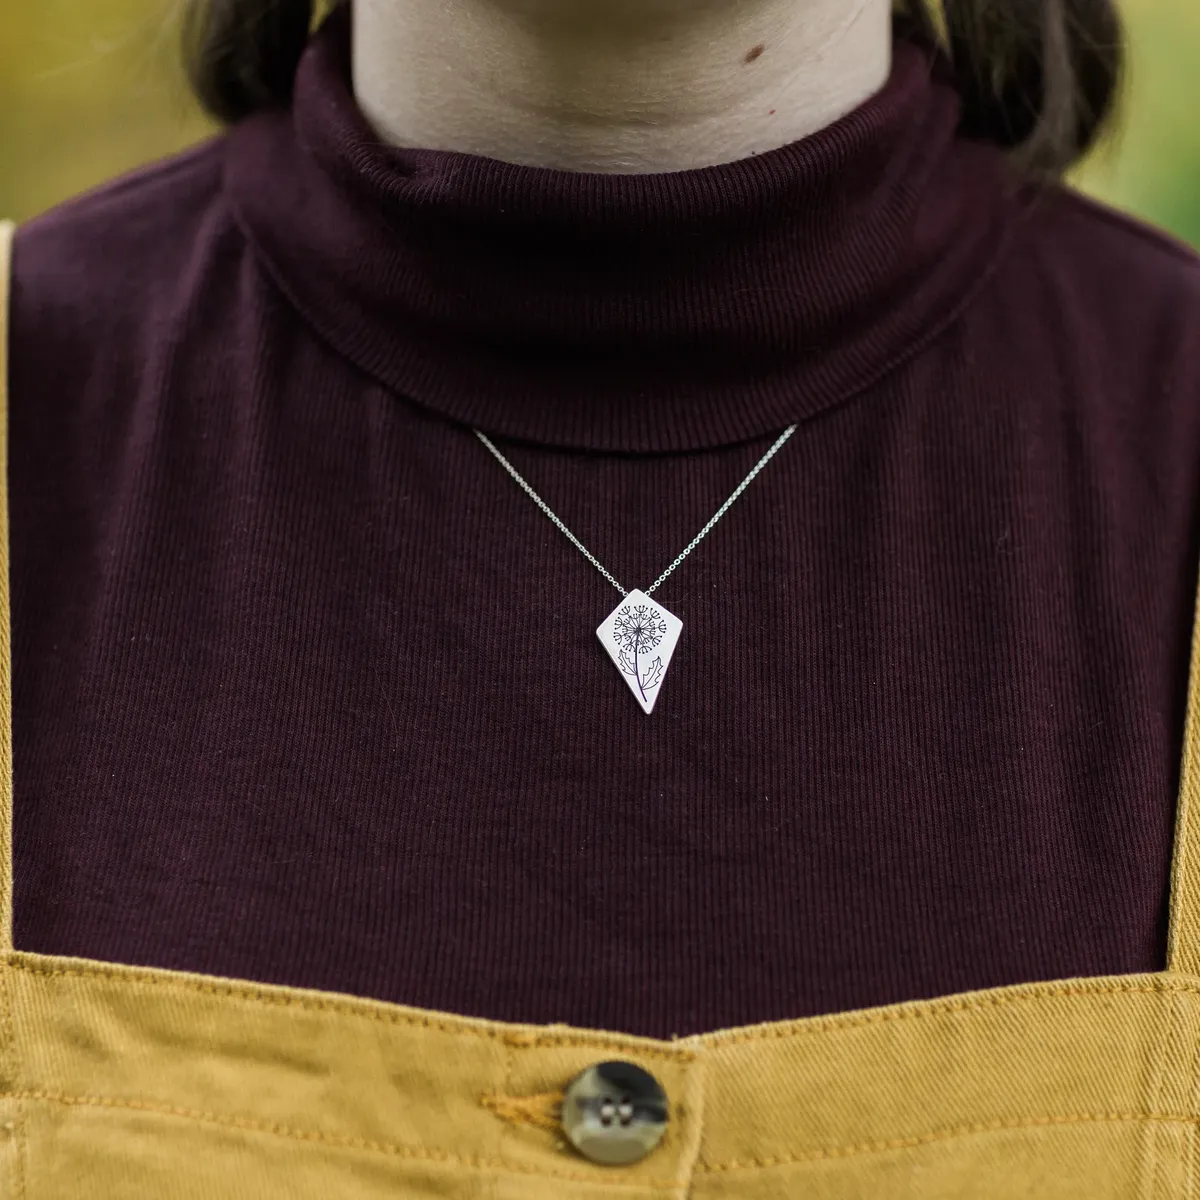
<point x="307" y="691"/>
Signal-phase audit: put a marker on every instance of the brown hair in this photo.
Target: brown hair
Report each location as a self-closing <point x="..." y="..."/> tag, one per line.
<point x="1038" y="77"/>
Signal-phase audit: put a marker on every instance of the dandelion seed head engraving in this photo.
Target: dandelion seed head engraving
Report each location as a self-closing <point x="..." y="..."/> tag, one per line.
<point x="639" y="627"/>
<point x="637" y="630"/>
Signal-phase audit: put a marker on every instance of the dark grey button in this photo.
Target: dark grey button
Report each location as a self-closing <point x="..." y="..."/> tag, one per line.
<point x="614" y="1113"/>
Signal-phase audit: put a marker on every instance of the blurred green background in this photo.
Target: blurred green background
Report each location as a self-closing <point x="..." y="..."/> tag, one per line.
<point x="89" y="88"/>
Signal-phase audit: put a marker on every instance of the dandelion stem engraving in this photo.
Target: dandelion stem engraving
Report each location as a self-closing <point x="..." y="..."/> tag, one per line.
<point x="640" y="637"/>
<point x="638" y="630"/>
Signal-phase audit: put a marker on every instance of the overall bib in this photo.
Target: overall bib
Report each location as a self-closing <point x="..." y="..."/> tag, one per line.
<point x="126" y="1082"/>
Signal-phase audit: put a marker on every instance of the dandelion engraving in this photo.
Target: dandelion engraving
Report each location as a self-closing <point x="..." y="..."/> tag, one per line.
<point x="638" y="629"/>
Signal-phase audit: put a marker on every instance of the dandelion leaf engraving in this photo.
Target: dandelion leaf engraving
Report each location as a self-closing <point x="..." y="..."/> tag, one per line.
<point x="638" y="629"/>
<point x="653" y="675"/>
<point x="640" y="638"/>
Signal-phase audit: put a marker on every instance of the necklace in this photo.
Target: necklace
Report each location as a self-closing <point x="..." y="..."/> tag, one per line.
<point x="640" y="636"/>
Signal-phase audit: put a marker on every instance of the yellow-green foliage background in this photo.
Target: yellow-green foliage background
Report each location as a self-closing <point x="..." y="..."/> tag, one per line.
<point x="89" y="88"/>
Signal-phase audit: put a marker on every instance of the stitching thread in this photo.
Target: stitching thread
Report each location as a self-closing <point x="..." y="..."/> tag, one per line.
<point x="519" y="1038"/>
<point x="937" y="1008"/>
<point x="420" y="1153"/>
<point x="344" y="1141"/>
<point x="10" y="1061"/>
<point x="539" y="1110"/>
<point x="939" y="1135"/>
<point x="501" y="1147"/>
<point x="678" y="1051"/>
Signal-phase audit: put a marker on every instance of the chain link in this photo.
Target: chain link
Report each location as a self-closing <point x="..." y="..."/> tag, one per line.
<point x="762" y="462"/>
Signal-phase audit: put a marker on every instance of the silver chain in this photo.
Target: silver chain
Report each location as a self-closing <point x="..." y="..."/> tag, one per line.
<point x="762" y="462"/>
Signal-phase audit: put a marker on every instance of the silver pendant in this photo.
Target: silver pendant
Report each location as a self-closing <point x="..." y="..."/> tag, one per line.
<point x="640" y="638"/>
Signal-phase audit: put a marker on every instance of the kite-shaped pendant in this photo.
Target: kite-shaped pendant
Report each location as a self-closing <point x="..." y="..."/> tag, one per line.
<point x="640" y="638"/>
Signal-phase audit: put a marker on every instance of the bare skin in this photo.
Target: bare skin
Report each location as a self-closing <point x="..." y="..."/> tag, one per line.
<point x="615" y="86"/>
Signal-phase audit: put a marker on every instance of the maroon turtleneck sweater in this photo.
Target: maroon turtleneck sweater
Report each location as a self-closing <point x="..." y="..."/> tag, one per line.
<point x="307" y="691"/>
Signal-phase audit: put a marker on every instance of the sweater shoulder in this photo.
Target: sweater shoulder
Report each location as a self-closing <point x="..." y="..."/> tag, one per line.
<point x="1123" y="260"/>
<point x="118" y="248"/>
<point x="1103" y="292"/>
<point x="1121" y="231"/>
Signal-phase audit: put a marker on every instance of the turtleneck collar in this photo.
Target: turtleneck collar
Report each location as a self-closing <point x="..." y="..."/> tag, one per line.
<point x="634" y="313"/>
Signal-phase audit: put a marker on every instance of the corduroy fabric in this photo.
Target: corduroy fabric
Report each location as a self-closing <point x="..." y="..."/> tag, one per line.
<point x="127" y="1084"/>
<point x="307" y="692"/>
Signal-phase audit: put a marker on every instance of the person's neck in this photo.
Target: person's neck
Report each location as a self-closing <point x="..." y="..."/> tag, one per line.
<point x="614" y="86"/>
